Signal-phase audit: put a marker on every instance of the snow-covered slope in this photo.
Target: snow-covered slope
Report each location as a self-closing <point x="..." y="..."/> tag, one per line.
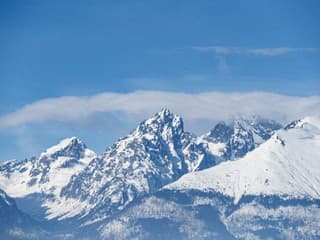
<point x="47" y="174"/>
<point x="287" y="165"/>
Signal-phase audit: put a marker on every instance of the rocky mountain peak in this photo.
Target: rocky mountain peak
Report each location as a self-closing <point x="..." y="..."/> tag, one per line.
<point x="163" y="123"/>
<point x="69" y="147"/>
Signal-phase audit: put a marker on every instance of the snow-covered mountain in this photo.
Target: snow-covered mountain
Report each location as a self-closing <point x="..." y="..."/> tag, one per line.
<point x="45" y="176"/>
<point x="156" y="153"/>
<point x="141" y="163"/>
<point x="288" y="165"/>
<point x="270" y="193"/>
<point x="159" y="176"/>
<point x="70" y="181"/>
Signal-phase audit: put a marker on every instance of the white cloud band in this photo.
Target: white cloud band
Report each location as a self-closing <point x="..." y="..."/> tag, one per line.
<point x="213" y="106"/>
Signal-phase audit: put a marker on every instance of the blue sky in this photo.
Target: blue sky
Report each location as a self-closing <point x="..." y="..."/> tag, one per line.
<point x="52" y="49"/>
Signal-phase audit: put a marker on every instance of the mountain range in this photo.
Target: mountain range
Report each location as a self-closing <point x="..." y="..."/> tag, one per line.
<point x="247" y="178"/>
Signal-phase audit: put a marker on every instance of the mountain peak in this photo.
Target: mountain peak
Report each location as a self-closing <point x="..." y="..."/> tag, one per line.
<point x="158" y="122"/>
<point x="71" y="144"/>
<point x="313" y="122"/>
<point x="141" y="163"/>
<point x="164" y="114"/>
<point x="240" y="135"/>
<point x="48" y="173"/>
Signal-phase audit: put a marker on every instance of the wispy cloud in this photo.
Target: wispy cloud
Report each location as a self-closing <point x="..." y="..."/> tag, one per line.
<point x="224" y="50"/>
<point x="210" y="106"/>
